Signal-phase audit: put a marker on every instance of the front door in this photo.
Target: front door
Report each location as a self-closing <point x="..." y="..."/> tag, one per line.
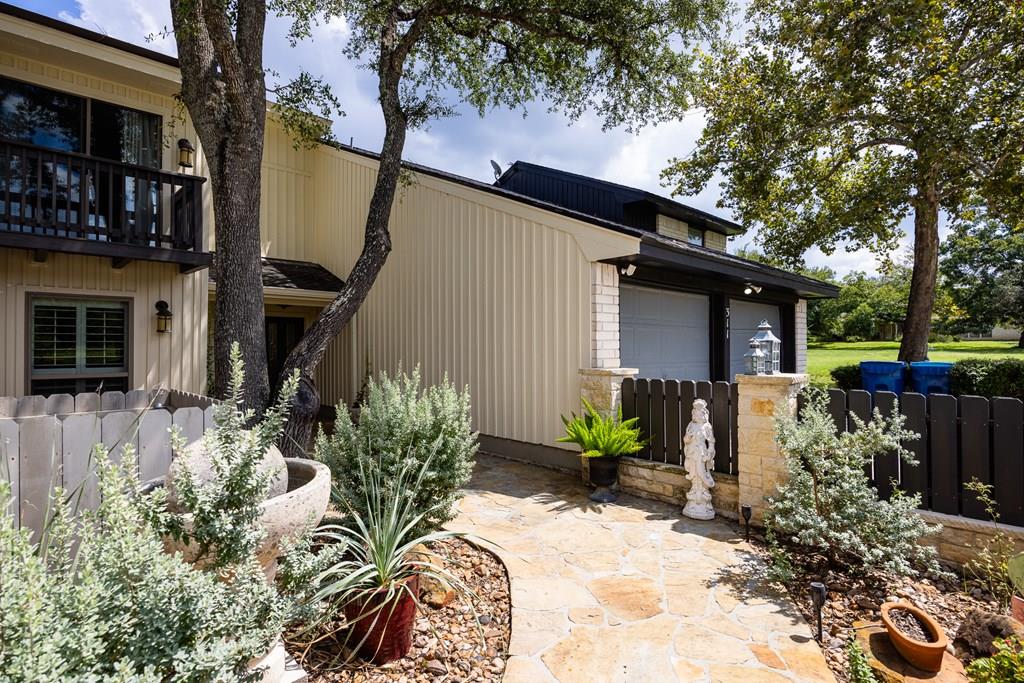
<point x="283" y="333"/>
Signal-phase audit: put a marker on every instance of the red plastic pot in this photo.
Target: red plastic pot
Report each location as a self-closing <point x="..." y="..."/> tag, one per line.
<point x="924" y="656"/>
<point x="383" y="630"/>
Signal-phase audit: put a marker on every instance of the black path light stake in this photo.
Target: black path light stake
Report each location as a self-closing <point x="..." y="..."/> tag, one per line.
<point x="818" y="593"/>
<point x="746" y="512"/>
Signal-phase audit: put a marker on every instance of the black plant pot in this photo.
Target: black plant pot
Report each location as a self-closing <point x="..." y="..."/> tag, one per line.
<point x="604" y="471"/>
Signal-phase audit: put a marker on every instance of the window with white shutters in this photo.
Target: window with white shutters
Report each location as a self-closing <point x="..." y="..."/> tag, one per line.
<point x="77" y="346"/>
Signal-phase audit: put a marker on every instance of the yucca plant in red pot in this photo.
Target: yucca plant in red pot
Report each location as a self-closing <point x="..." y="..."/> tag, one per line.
<point x="603" y="440"/>
<point x="376" y="585"/>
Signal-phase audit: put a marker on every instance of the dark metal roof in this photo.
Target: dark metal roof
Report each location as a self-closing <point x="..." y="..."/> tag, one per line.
<point x="72" y="29"/>
<point x="659" y="249"/>
<point x="288" y="274"/>
<point x="611" y="201"/>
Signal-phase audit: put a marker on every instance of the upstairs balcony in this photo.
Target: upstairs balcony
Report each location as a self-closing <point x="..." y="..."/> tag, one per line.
<point x="60" y="201"/>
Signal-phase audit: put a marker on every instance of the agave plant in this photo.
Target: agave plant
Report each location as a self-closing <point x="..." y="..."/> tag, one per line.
<point x="375" y="585"/>
<point x="599" y="436"/>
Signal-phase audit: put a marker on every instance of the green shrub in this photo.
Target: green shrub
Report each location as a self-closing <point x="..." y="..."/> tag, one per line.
<point x="399" y="423"/>
<point x="599" y="436"/>
<point x="1007" y="664"/>
<point x="860" y="670"/>
<point x="828" y="506"/>
<point x="120" y="608"/>
<point x="847" y="377"/>
<point x="988" y="377"/>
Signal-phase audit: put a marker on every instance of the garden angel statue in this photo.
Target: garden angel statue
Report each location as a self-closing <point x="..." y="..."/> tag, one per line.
<point x="699" y="451"/>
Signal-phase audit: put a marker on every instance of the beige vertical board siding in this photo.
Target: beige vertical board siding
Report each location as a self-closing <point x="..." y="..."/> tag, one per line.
<point x="176" y="360"/>
<point x="477" y="287"/>
<point x="715" y="240"/>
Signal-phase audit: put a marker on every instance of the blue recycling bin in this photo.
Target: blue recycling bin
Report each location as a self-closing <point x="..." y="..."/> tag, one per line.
<point x="882" y="375"/>
<point x="930" y="377"/>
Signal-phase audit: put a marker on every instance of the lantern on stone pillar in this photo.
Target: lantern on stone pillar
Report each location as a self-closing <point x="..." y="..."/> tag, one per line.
<point x="771" y="347"/>
<point x="753" y="360"/>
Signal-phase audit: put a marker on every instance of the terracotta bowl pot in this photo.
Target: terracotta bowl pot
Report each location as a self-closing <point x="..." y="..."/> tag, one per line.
<point x="384" y="630"/>
<point x="1017" y="608"/>
<point x="286" y="516"/>
<point x="924" y="656"/>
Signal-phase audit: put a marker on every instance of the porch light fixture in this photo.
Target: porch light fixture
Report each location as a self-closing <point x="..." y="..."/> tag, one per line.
<point x="751" y="288"/>
<point x="163" y="317"/>
<point x="753" y="360"/>
<point x="186" y="153"/>
<point x="628" y="270"/>
<point x="771" y="347"/>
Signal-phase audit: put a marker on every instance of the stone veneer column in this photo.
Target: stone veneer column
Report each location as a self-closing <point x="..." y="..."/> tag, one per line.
<point x="761" y="463"/>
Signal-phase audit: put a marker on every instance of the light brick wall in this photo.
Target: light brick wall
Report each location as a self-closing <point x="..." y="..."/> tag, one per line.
<point x="604" y="339"/>
<point x="801" y="335"/>
<point x="715" y="240"/>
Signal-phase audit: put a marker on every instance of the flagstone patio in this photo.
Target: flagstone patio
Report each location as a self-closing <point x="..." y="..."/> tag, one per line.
<point x="630" y="592"/>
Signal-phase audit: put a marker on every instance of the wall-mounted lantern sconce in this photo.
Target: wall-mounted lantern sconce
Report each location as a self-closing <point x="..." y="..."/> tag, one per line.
<point x="163" y="317"/>
<point x="186" y="153"/>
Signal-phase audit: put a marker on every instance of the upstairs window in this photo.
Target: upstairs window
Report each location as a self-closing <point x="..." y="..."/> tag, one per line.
<point x="78" y="346"/>
<point x="695" y="236"/>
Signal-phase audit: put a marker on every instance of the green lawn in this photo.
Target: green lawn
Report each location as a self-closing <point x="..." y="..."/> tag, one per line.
<point x="823" y="356"/>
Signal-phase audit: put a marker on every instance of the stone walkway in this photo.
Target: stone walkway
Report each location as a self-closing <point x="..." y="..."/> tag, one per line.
<point x="631" y="592"/>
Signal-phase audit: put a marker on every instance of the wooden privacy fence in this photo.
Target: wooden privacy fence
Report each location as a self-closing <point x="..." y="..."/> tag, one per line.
<point x="962" y="438"/>
<point x="663" y="407"/>
<point x="48" y="442"/>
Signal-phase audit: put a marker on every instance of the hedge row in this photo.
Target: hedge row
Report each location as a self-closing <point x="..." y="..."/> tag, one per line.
<point x="972" y="376"/>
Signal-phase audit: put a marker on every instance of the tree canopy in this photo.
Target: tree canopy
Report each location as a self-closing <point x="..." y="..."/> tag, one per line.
<point x="834" y="121"/>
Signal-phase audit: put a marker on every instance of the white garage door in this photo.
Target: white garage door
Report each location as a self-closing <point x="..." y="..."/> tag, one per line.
<point x="744" y="317"/>
<point x="664" y="334"/>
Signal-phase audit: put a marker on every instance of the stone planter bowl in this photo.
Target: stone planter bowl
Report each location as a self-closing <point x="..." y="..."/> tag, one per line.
<point x="924" y="656"/>
<point x="288" y="515"/>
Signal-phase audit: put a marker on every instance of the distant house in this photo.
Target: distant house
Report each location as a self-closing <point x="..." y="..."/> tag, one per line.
<point x="512" y="289"/>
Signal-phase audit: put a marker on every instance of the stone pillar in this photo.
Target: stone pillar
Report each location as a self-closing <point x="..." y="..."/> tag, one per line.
<point x="602" y="387"/>
<point x="761" y="464"/>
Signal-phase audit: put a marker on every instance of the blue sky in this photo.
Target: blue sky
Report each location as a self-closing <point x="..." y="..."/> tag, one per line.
<point x="463" y="144"/>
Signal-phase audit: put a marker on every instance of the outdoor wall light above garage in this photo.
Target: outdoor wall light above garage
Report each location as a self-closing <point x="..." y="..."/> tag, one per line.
<point x="628" y="270"/>
<point x="163" y="317"/>
<point x="186" y="153"/>
<point x="751" y="289"/>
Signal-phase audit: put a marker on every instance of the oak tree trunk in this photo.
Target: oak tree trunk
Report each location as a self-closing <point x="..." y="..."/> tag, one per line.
<point x="917" y="325"/>
<point x="308" y="353"/>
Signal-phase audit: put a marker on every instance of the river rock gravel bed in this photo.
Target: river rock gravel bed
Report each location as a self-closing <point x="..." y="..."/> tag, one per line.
<point x="460" y="642"/>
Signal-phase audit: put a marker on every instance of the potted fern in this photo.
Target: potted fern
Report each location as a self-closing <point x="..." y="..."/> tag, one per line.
<point x="603" y="441"/>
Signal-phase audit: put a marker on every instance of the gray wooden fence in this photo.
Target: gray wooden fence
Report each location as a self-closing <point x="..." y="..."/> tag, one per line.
<point x="962" y="438"/>
<point x="48" y="442"/>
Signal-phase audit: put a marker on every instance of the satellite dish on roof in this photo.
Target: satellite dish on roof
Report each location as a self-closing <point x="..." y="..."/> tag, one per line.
<point x="497" y="169"/>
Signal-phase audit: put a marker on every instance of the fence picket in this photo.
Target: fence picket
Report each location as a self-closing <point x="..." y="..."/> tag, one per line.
<point x="720" y="424"/>
<point x="914" y="478"/>
<point x="945" y="465"/>
<point x="704" y="391"/>
<point x="675" y="423"/>
<point x="137" y="399"/>
<point x="859" y="403"/>
<point x="657" y="389"/>
<point x="887" y="465"/>
<point x="8" y="406"/>
<point x="112" y="400"/>
<point x="974" y="452"/>
<point x="9" y="469"/>
<point x="87" y="403"/>
<point x="734" y="409"/>
<point x="190" y="422"/>
<point x="38" y="453"/>
<point x="628" y="399"/>
<point x="118" y="429"/>
<point x="1008" y="464"/>
<point x="59" y="404"/>
<point x="81" y="432"/>
<point x="643" y="411"/>
<point x="837" y="408"/>
<point x="154" y="444"/>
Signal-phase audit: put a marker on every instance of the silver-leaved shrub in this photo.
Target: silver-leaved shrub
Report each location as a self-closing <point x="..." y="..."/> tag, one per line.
<point x="119" y="608"/>
<point x="828" y="506"/>
<point x="397" y="423"/>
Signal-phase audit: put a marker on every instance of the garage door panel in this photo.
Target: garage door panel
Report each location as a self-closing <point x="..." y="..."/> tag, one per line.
<point x="744" y="318"/>
<point x="663" y="333"/>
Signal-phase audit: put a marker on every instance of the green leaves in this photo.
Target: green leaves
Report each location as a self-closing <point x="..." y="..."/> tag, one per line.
<point x="599" y="436"/>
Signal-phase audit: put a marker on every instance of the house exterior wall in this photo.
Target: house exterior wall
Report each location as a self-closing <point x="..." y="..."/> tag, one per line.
<point x="672" y="227"/>
<point x="175" y="360"/>
<point x="491" y="292"/>
<point x="715" y="240"/>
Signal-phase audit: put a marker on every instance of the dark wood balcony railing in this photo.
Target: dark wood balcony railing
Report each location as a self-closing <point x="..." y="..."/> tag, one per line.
<point x="63" y="201"/>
